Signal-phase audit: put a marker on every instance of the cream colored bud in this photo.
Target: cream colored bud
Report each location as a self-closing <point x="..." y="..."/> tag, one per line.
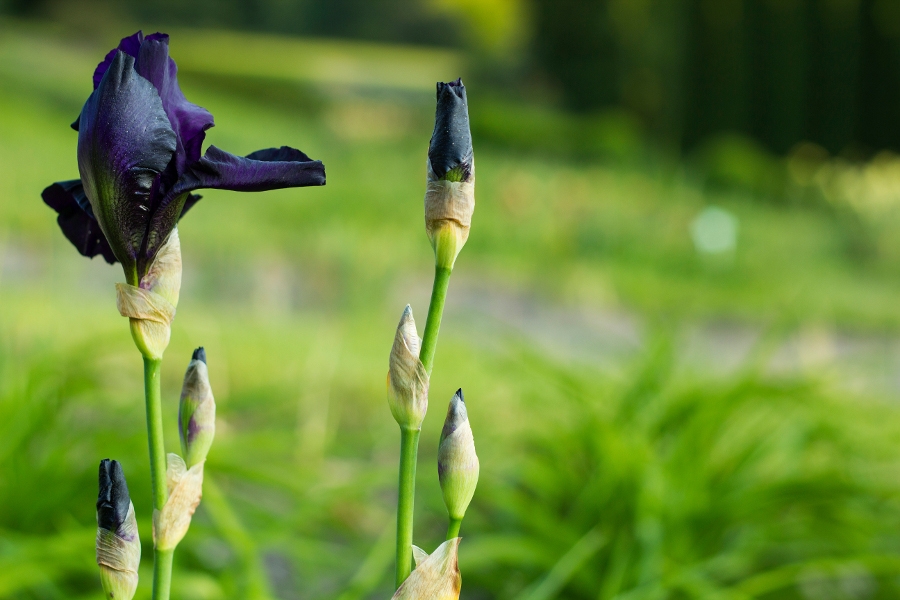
<point x="119" y="555"/>
<point x="407" y="378"/>
<point x="196" y="411"/>
<point x="457" y="462"/>
<point x="185" y="489"/>
<point x="150" y="306"/>
<point x="118" y="543"/>
<point x="435" y="577"/>
<point x="449" y="206"/>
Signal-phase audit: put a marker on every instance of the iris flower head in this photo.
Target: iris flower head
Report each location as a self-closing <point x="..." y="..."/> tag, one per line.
<point x="139" y="157"/>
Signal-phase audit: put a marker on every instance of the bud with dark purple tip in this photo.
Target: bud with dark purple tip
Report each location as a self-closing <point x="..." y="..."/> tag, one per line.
<point x="457" y="462"/>
<point x="450" y="192"/>
<point x="118" y="544"/>
<point x="196" y="411"/>
<point x="450" y="155"/>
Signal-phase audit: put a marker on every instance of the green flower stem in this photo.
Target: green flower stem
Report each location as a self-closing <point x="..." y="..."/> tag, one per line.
<point x="435" y="312"/>
<point x="409" y="440"/>
<point x="409" y="449"/>
<point x="453" y="529"/>
<point x="162" y="560"/>
<point x="162" y="573"/>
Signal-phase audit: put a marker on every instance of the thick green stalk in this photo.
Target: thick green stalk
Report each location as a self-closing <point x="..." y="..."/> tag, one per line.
<point x="162" y="560"/>
<point x="435" y="312"/>
<point x="409" y="449"/>
<point x="453" y="529"/>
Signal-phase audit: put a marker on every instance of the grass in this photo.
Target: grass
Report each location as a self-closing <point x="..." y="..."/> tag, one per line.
<point x="626" y="478"/>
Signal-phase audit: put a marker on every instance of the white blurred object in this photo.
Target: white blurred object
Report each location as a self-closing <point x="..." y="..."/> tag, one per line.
<point x="714" y="231"/>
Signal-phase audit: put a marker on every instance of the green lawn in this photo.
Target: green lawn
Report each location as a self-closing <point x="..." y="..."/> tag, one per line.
<point x="611" y="468"/>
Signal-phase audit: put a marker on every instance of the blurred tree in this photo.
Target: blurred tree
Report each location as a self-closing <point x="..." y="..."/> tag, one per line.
<point x="781" y="71"/>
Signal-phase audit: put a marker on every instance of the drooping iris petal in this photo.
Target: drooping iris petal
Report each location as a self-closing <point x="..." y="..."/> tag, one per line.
<point x="270" y="169"/>
<point x="76" y="219"/>
<point x="124" y="143"/>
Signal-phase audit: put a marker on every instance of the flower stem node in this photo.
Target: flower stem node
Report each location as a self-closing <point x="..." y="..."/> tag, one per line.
<point x="150" y="306"/>
<point x="457" y="462"/>
<point x="185" y="489"/>
<point x="196" y="411"/>
<point x="118" y="544"/>
<point x="407" y="378"/>
<point x="436" y="577"/>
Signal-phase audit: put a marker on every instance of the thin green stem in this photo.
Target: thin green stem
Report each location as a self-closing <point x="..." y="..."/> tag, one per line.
<point x="409" y="448"/>
<point x="162" y="560"/>
<point x="435" y="312"/>
<point x="409" y="439"/>
<point x="162" y="573"/>
<point x="155" y="432"/>
<point x="453" y="529"/>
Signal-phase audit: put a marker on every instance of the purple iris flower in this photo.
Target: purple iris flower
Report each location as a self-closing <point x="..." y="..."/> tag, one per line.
<point x="139" y="157"/>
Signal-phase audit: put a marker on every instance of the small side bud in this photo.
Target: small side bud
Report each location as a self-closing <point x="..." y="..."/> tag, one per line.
<point x="435" y="577"/>
<point x="150" y="307"/>
<point x="450" y="191"/>
<point x="118" y="544"/>
<point x="407" y="378"/>
<point x="457" y="462"/>
<point x="196" y="411"/>
<point x="185" y="490"/>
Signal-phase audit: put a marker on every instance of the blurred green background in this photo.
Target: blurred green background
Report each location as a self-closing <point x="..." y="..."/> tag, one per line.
<point x="675" y="321"/>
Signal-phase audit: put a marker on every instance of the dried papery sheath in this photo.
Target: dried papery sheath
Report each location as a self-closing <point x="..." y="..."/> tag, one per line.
<point x="118" y="544"/>
<point x="185" y="490"/>
<point x="150" y="306"/>
<point x="196" y="411"/>
<point x="457" y="462"/>
<point x="419" y="555"/>
<point x="450" y="191"/>
<point x="407" y="378"/>
<point x="436" y="577"/>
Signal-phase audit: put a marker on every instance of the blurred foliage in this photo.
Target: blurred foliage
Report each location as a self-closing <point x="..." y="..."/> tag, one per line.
<point x="603" y="477"/>
<point x="777" y="71"/>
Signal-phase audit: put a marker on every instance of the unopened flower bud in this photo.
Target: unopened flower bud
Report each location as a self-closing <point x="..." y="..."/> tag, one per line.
<point x="407" y="378"/>
<point x="150" y="306"/>
<point x="196" y="411"/>
<point x="457" y="461"/>
<point x="118" y="544"/>
<point x="435" y="577"/>
<point x="450" y="191"/>
<point x="185" y="490"/>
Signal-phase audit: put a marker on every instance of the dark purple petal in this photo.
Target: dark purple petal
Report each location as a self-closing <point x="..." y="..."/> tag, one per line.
<point x="189" y="121"/>
<point x="124" y="144"/>
<point x="130" y="45"/>
<point x="76" y="219"/>
<point x="113" y="501"/>
<point x="270" y="169"/>
<point x="451" y="142"/>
